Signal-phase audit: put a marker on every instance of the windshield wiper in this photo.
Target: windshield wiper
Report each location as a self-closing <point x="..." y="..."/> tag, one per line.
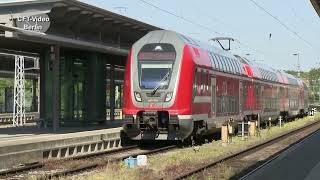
<point x="160" y="84"/>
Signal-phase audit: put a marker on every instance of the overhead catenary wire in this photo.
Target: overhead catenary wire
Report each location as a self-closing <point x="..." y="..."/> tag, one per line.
<point x="196" y="24"/>
<point x="181" y="17"/>
<point x="281" y="23"/>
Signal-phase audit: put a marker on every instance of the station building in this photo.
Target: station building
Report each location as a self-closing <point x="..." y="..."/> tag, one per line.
<point x="81" y="55"/>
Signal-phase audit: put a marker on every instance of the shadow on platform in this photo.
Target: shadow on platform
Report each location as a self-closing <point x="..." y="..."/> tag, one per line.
<point x="7" y="131"/>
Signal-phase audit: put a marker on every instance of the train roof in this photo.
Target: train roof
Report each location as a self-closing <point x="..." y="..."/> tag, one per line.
<point x="259" y="71"/>
<point x="222" y="60"/>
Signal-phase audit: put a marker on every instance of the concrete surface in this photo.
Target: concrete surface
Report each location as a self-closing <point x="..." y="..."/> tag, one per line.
<point x="30" y="144"/>
<point x="298" y="163"/>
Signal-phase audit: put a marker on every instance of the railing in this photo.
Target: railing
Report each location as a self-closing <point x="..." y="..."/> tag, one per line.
<point x="6" y="118"/>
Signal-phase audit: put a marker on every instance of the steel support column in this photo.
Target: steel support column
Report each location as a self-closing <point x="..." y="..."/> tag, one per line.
<point x="112" y="92"/>
<point x="34" y="95"/>
<point x="42" y="85"/>
<point x="55" y="57"/>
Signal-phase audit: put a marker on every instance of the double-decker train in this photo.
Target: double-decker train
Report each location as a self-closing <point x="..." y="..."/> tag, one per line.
<point x="177" y="87"/>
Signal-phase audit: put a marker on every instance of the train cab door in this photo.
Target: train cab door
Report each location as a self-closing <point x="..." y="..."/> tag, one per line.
<point x="213" y="97"/>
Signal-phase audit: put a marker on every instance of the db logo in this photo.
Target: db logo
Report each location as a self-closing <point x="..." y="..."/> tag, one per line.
<point x="152" y="105"/>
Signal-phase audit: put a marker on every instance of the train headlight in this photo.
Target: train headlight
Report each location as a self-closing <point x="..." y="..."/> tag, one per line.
<point x="168" y="97"/>
<point x="137" y="96"/>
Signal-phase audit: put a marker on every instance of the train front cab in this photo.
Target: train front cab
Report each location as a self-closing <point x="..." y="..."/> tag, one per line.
<point x="156" y="103"/>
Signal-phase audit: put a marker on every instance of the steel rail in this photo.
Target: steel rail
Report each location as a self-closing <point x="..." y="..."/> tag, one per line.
<point x="26" y="167"/>
<point x="36" y="165"/>
<point x="101" y="164"/>
<point x="254" y="147"/>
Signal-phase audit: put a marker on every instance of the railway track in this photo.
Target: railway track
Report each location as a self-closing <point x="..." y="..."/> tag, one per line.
<point x="245" y="161"/>
<point x="75" y="165"/>
<point x="65" y="167"/>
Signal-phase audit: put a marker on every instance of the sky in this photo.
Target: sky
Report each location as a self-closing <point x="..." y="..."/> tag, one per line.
<point x="239" y="19"/>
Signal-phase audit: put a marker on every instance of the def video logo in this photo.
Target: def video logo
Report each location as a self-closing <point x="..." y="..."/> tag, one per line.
<point x="36" y="23"/>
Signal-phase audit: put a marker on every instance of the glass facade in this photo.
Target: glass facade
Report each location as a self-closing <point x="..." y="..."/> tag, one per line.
<point x="82" y="88"/>
<point x="7" y="93"/>
<point x="72" y="81"/>
<point x="114" y="91"/>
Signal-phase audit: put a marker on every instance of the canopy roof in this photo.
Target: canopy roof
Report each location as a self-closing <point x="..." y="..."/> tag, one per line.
<point x="76" y="24"/>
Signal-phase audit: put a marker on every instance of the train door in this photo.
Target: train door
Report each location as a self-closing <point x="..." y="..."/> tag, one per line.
<point x="213" y="96"/>
<point x="282" y="108"/>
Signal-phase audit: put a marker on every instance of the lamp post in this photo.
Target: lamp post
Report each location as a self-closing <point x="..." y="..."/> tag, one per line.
<point x="318" y="90"/>
<point x="298" y="65"/>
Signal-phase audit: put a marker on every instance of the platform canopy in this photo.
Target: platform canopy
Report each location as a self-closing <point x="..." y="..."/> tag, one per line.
<point x="316" y="5"/>
<point x="74" y="24"/>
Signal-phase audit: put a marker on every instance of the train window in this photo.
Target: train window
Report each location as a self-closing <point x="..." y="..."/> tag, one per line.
<point x="203" y="80"/>
<point x="233" y="66"/>
<point x="208" y="81"/>
<point x="198" y="80"/>
<point x="195" y="83"/>
<point x="212" y="60"/>
<point x="223" y="104"/>
<point x="230" y="65"/>
<point x="218" y="62"/>
<point x="226" y="64"/>
<point x="264" y="74"/>
<point x="261" y="72"/>
<point x="237" y="66"/>
<point x="222" y="63"/>
<point x="270" y="76"/>
<point x="215" y="62"/>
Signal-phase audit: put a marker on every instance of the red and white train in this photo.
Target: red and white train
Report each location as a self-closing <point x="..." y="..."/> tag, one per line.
<point x="177" y="87"/>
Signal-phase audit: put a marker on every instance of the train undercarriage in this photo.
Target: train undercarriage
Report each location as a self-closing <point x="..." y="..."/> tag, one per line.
<point x="160" y="125"/>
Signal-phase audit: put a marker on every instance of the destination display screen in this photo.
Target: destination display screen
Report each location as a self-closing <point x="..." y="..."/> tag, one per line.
<point x="157" y="56"/>
<point x="157" y="51"/>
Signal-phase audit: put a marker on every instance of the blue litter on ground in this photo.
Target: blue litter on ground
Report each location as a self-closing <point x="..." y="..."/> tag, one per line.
<point x="130" y="162"/>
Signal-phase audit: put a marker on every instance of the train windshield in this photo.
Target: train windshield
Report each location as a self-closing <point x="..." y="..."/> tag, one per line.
<point x="155" y="65"/>
<point x="155" y="76"/>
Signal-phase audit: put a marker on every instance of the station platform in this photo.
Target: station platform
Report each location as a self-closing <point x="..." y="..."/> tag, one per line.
<point x="299" y="162"/>
<point x="22" y="145"/>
